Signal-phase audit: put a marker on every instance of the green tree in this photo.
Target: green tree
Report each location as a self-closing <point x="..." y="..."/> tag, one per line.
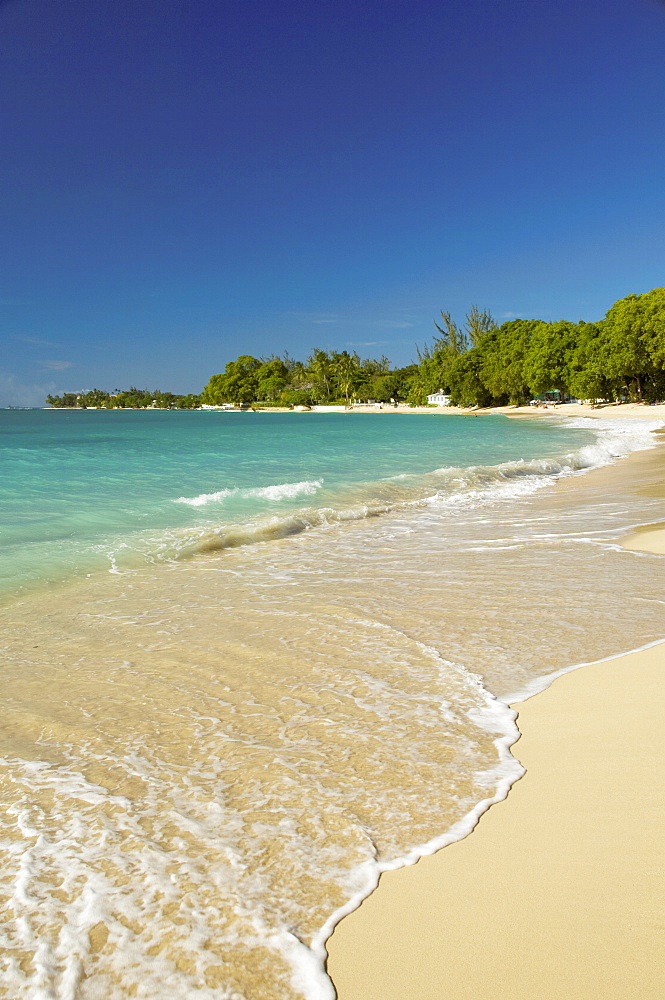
<point x="346" y="372"/>
<point x="465" y="380"/>
<point x="423" y="381"/>
<point x="547" y="364"/>
<point x="502" y="367"/>
<point x="272" y="379"/>
<point x="163" y="400"/>
<point x="451" y="340"/>
<point x="68" y="399"/>
<point x="271" y="388"/>
<point x="653" y="325"/>
<point x="214" y="392"/>
<point x="297" y="397"/>
<point x="404" y="377"/>
<point x="242" y="379"/>
<point x="478" y="324"/>
<point x="320" y="371"/>
<point x="94" y="397"/>
<point x="190" y="402"/>
<point x="435" y="361"/>
<point x="298" y="375"/>
<point x="634" y="343"/>
<point x="135" y="398"/>
<point x="588" y="378"/>
<point x="238" y="384"/>
<point x="383" y="388"/>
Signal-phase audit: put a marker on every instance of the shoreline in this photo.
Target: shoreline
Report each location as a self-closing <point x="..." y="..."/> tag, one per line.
<point x="608" y="411"/>
<point x="550" y="896"/>
<point x="653" y="414"/>
<point x="556" y="890"/>
<point x="644" y="411"/>
<point x="67" y="641"/>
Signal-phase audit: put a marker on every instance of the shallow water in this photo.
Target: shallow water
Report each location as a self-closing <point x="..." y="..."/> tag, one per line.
<point x="82" y="491"/>
<point x="205" y="759"/>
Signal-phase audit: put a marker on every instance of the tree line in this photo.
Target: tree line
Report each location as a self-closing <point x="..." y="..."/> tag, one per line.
<point x="477" y="364"/>
<point x="132" y="398"/>
<point x="620" y="357"/>
<point x="324" y="378"/>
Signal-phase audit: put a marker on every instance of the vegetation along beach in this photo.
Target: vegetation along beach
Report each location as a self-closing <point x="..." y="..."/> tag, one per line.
<point x="477" y="363"/>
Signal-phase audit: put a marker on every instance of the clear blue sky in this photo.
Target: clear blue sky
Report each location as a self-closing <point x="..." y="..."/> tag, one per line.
<point x="185" y="180"/>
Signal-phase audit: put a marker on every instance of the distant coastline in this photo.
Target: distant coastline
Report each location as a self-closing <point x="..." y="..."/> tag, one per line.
<point x="576" y="409"/>
<point x="479" y="365"/>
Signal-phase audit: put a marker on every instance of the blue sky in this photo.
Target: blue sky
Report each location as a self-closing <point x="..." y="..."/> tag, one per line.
<point x="186" y="180"/>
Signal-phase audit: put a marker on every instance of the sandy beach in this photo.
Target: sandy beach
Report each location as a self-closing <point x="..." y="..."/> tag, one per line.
<point x="643" y="411"/>
<point x="557" y="893"/>
<point x="603" y="411"/>
<point x="244" y="737"/>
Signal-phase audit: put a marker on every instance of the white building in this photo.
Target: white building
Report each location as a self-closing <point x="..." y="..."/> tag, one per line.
<point x="438" y="398"/>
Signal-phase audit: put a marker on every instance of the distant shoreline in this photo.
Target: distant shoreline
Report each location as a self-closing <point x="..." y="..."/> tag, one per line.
<point x="644" y="411"/>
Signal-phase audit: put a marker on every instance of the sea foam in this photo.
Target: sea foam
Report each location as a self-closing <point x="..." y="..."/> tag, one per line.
<point x="276" y="492"/>
<point x="451" y="487"/>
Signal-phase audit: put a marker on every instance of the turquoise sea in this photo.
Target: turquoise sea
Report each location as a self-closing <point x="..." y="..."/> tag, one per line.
<point x="91" y="490"/>
<point x="252" y="660"/>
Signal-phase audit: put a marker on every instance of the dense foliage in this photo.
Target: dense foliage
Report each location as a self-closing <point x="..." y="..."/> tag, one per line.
<point x="478" y="364"/>
<point x="133" y="398"/>
<point x="324" y="378"/>
<point x="621" y="357"/>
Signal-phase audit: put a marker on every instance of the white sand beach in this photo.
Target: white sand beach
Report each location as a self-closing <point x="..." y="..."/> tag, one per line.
<point x="558" y="892"/>
<point x="643" y="411"/>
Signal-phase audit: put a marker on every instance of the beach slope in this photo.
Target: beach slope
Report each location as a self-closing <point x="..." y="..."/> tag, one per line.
<point x="558" y="893"/>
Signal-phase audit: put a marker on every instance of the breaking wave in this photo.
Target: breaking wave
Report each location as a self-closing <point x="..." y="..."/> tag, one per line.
<point x="280" y="491"/>
<point x="469" y="486"/>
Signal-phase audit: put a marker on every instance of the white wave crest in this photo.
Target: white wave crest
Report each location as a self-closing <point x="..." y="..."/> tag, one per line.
<point x="279" y="491"/>
<point x="285" y="491"/>
<point x="204" y="498"/>
<point x="616" y="437"/>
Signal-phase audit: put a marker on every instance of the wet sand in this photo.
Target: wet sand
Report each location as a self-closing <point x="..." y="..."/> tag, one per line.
<point x="650" y="538"/>
<point x="558" y="891"/>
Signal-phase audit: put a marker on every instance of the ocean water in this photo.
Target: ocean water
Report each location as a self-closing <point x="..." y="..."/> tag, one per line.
<point x="97" y="489"/>
<point x="252" y="660"/>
